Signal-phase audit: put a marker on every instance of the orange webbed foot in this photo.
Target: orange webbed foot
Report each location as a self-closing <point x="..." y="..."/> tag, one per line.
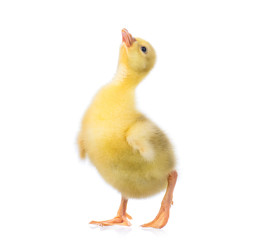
<point x="160" y="220"/>
<point x="162" y="217"/>
<point x="121" y="218"/>
<point x="118" y="220"/>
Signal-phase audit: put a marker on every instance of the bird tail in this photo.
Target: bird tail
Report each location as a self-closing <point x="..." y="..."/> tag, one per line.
<point x="81" y="146"/>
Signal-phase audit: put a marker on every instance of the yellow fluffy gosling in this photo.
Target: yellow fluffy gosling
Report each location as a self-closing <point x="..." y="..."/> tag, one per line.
<point x="129" y="151"/>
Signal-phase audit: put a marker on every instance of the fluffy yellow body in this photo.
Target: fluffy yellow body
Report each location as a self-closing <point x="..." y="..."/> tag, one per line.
<point x="130" y="152"/>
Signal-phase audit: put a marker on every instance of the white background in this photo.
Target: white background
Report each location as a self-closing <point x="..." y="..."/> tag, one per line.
<point x="205" y="92"/>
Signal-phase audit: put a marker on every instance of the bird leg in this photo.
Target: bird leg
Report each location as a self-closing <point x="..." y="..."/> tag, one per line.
<point x="121" y="218"/>
<point x="162" y="217"/>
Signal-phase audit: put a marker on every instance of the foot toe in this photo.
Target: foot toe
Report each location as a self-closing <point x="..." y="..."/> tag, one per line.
<point x="128" y="216"/>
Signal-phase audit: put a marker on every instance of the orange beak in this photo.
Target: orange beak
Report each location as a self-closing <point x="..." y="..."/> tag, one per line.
<point x="127" y="38"/>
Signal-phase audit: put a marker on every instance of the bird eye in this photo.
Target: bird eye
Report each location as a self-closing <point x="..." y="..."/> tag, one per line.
<point x="143" y="49"/>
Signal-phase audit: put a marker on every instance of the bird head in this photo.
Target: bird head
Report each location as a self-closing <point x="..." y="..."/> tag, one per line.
<point x="136" y="55"/>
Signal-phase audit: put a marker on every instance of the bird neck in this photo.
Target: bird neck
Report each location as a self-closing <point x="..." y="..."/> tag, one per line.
<point x="126" y="78"/>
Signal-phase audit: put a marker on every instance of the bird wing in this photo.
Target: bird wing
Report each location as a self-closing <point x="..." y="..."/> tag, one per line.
<point x="139" y="137"/>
